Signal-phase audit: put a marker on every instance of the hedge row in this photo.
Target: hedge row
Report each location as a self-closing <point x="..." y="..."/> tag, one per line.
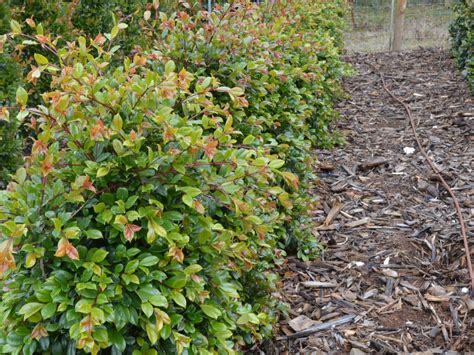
<point x="164" y="185"/>
<point x="289" y="68"/>
<point x="462" y="38"/>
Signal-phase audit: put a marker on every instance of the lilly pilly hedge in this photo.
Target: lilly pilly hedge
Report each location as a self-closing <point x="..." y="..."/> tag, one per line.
<point x="150" y="215"/>
<point x="289" y="65"/>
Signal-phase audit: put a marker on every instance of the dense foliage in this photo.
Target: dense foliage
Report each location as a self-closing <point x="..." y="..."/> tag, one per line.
<point x="163" y="184"/>
<point x="288" y="65"/>
<point x="10" y="74"/>
<point x="66" y="19"/>
<point x="62" y="18"/>
<point x="462" y="38"/>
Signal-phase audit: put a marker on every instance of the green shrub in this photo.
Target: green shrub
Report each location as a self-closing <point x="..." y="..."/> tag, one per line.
<point x="162" y="185"/>
<point x="290" y="71"/>
<point x="62" y="18"/>
<point x="462" y="38"/>
<point x="138" y="218"/>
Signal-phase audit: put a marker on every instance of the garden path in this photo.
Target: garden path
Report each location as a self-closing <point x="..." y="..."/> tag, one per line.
<point x="394" y="255"/>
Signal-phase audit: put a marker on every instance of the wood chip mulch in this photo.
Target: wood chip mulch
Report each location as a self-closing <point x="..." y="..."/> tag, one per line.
<point x="393" y="275"/>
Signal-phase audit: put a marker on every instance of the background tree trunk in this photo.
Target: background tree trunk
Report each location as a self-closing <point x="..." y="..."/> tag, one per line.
<point x="399" y="20"/>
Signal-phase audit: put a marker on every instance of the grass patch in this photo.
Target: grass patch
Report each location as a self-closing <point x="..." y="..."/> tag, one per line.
<point x="425" y="26"/>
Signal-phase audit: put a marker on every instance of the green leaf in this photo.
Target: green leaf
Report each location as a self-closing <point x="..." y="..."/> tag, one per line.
<point x="102" y="171"/>
<point x="84" y="305"/>
<point x="117" y="123"/>
<point x="131" y="201"/>
<point x="189" y="190"/>
<point x="159" y="230"/>
<point x="41" y="59"/>
<point x="229" y="289"/>
<point x="152" y="333"/>
<point x="75" y="330"/>
<point x="147" y="309"/>
<point x="78" y="70"/>
<point x="193" y="269"/>
<point x="173" y="216"/>
<point x="276" y="164"/>
<point x="48" y="310"/>
<point x="21" y="96"/>
<point x="43" y="295"/>
<point x="118" y="147"/>
<point x="131" y="266"/>
<point x="260" y="161"/>
<point x="178" y="281"/>
<point x="149" y="261"/>
<point x="254" y="219"/>
<point x="117" y="340"/>
<point x="20" y="175"/>
<point x="15" y="26"/>
<point x="99" y="255"/>
<point x="146" y="292"/>
<point x="121" y="316"/>
<point x="63" y="104"/>
<point x="30" y="309"/>
<point x="211" y="311"/>
<point x="237" y="91"/>
<point x="178" y="298"/>
<point x="188" y="200"/>
<point x="230" y="187"/>
<point x="94" y="234"/>
<point x="159" y="301"/>
<point x="114" y="32"/>
<point x="248" y="318"/>
<point x="71" y="232"/>
<point x="170" y="67"/>
<point x="86" y="286"/>
<point x="166" y="331"/>
<point x="206" y="82"/>
<point x="98" y="315"/>
<point x="100" y="335"/>
<point x="249" y="139"/>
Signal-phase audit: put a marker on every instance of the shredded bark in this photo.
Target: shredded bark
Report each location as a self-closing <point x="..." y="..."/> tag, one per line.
<point x="394" y="254"/>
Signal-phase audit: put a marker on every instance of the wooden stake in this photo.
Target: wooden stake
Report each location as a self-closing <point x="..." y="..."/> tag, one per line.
<point x="392" y="19"/>
<point x="399" y="21"/>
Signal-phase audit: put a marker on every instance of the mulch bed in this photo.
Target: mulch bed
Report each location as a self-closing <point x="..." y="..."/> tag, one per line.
<point x="394" y="268"/>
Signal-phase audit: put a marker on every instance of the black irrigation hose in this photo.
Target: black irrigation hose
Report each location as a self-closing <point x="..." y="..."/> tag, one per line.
<point x="438" y="174"/>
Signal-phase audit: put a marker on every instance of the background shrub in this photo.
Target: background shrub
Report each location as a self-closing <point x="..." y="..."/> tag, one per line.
<point x="462" y="38"/>
<point x="10" y="74"/>
<point x="290" y="70"/>
<point x="163" y="182"/>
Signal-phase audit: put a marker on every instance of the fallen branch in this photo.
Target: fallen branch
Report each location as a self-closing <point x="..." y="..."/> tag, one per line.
<point x="323" y="326"/>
